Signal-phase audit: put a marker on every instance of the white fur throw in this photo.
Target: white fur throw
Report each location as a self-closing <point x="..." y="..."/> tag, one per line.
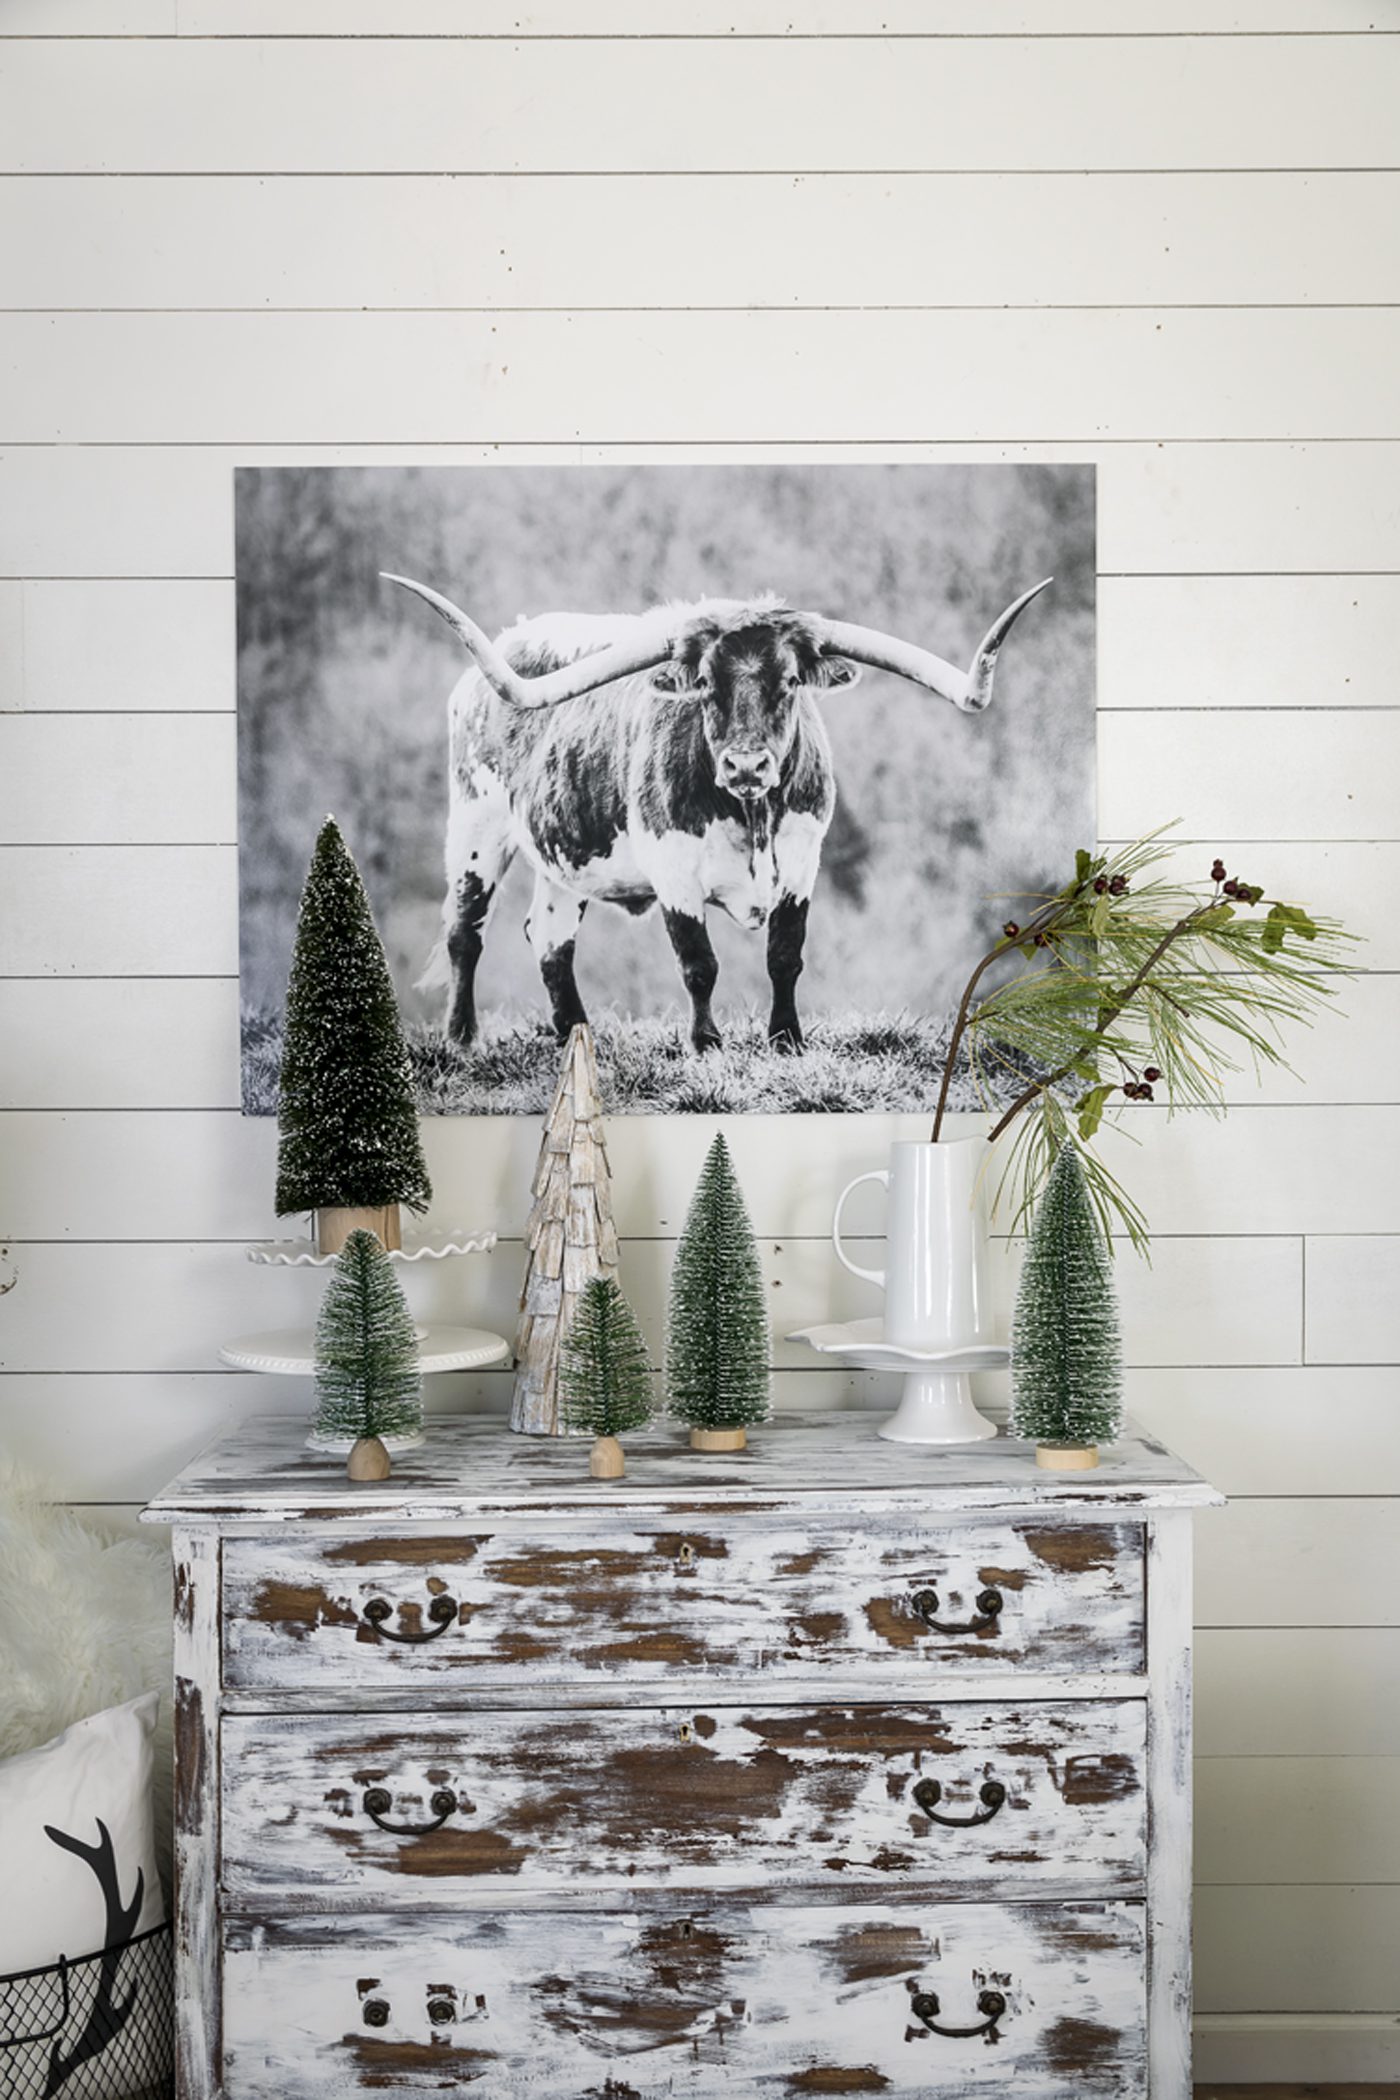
<point x="84" y="1623"/>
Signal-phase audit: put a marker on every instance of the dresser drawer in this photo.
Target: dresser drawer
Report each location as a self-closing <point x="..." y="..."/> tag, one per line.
<point x="729" y="1999"/>
<point x="956" y="1798"/>
<point x="726" y="1599"/>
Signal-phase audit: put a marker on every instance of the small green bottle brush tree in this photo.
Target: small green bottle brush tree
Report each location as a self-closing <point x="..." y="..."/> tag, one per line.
<point x="347" y="1118"/>
<point x="605" y="1381"/>
<point x="368" y="1386"/>
<point x="1066" y="1368"/>
<point x="717" y="1344"/>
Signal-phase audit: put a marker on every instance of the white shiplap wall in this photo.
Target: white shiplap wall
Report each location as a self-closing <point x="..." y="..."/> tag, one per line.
<point x="1159" y="234"/>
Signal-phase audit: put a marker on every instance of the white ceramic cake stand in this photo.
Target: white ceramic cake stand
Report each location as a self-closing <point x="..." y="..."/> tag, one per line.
<point x="936" y="1406"/>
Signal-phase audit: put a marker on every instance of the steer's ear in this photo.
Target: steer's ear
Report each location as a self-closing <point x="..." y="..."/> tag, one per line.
<point x="836" y="670"/>
<point x="673" y="676"/>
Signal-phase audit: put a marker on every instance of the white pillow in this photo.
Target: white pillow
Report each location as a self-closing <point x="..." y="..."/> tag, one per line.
<point x="90" y="1788"/>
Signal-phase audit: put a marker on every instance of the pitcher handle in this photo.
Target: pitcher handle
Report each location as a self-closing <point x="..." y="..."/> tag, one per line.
<point x="870" y="1275"/>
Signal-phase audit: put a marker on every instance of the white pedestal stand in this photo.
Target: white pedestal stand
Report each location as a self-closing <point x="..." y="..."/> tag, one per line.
<point x="936" y="1406"/>
<point x="290" y="1352"/>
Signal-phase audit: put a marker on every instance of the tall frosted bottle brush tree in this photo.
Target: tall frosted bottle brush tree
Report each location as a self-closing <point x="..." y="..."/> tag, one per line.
<point x="348" y="1122"/>
<point x="368" y="1386"/>
<point x="1066" y="1365"/>
<point x="717" y="1335"/>
<point x="604" y="1376"/>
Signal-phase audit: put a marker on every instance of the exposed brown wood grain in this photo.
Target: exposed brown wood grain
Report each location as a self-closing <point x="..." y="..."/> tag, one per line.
<point x="724" y="1998"/>
<point x="728" y="1598"/>
<point x="730" y="1890"/>
<point x="681" y="1797"/>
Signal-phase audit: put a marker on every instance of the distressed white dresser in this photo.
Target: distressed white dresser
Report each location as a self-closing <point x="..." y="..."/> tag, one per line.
<point x="835" y="1767"/>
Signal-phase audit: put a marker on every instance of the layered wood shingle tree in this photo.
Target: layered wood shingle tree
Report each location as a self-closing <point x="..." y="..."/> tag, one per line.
<point x="347" y="1119"/>
<point x="367" y="1377"/>
<point x="1066" y="1357"/>
<point x="717" y="1343"/>
<point x="570" y="1238"/>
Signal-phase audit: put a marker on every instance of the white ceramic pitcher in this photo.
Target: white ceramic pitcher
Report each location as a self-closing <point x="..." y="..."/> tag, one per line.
<point x="937" y="1289"/>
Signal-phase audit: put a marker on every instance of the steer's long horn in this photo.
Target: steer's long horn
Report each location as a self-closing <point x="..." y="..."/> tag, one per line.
<point x="969" y="690"/>
<point x="651" y="645"/>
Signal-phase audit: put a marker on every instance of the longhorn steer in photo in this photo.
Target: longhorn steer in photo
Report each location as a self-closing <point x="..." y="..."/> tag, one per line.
<point x="673" y="757"/>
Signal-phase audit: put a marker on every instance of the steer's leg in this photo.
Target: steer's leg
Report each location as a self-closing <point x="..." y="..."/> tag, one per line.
<point x="479" y="851"/>
<point x="699" y="969"/>
<point x="797" y="851"/>
<point x="551" y="929"/>
<point x="787" y="931"/>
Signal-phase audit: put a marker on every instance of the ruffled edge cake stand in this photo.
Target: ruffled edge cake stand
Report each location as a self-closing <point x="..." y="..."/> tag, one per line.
<point x="290" y="1352"/>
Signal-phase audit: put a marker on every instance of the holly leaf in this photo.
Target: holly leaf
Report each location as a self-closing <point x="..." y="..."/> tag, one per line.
<point x="1215" y="915"/>
<point x="1284" y="919"/>
<point x="1083" y="864"/>
<point x="1091" y="1107"/>
<point x="1100" y="914"/>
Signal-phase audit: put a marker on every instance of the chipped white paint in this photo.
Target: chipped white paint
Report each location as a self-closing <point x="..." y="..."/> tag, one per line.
<point x="197" y="1807"/>
<point x="562" y="1892"/>
<point x="720" y="1998"/>
<point x="721" y="1599"/>
<point x="486" y="1807"/>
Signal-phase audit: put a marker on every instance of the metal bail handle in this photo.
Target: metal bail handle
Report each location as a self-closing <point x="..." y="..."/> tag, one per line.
<point x="869" y="1275"/>
<point x="378" y="1801"/>
<point x="989" y="1606"/>
<point x="378" y="1612"/>
<point x="991" y="2004"/>
<point x="928" y="1793"/>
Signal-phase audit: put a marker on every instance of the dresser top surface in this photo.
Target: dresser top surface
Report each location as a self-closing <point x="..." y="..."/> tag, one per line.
<point x="472" y="1466"/>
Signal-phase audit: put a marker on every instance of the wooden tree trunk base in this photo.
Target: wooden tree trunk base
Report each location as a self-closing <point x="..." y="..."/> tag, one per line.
<point x="605" y="1460"/>
<point x="334" y="1227"/>
<point x="1067" y="1458"/>
<point x="718" y="1439"/>
<point x="368" y="1460"/>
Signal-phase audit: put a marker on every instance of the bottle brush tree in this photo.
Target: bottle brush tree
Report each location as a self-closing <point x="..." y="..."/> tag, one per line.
<point x="717" y="1343"/>
<point x="1065" y="1357"/>
<point x="347" y="1117"/>
<point x="367" y="1378"/>
<point x="604" y="1375"/>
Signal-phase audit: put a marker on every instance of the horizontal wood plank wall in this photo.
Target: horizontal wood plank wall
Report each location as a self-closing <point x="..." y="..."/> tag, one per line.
<point x="1156" y="234"/>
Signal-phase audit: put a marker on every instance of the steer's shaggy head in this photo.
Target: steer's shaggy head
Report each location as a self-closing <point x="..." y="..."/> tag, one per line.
<point x="746" y="671"/>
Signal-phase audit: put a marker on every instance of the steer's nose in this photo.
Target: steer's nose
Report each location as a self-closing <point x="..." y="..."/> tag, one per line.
<point x="747" y="773"/>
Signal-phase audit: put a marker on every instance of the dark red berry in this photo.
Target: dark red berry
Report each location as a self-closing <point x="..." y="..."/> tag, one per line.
<point x="1042" y="940"/>
<point x="1217" y="871"/>
<point x="1011" y="929"/>
<point x="1232" y="888"/>
<point x="1151" y="1072"/>
<point x="1118" y="885"/>
<point x="1100" y="885"/>
<point x="1144" y="1093"/>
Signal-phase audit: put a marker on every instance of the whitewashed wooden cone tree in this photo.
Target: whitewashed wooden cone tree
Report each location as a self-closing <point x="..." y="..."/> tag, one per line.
<point x="570" y="1238"/>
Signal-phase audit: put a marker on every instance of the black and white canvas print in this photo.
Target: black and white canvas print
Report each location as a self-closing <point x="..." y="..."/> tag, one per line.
<point x="740" y="762"/>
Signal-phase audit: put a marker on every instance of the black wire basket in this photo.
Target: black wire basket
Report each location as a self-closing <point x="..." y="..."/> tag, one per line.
<point x="98" y="2028"/>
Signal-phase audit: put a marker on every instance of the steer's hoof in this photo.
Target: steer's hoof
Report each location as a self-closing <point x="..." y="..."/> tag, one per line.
<point x="707" y="1039"/>
<point x="787" y="1041"/>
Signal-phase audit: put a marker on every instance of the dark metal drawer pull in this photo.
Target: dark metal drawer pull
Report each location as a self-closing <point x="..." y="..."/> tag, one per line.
<point x="989" y="1604"/>
<point x="991" y="2005"/>
<point x="378" y="1802"/>
<point x="375" y="2012"/>
<point x="378" y="1612"/>
<point x="992" y="1796"/>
